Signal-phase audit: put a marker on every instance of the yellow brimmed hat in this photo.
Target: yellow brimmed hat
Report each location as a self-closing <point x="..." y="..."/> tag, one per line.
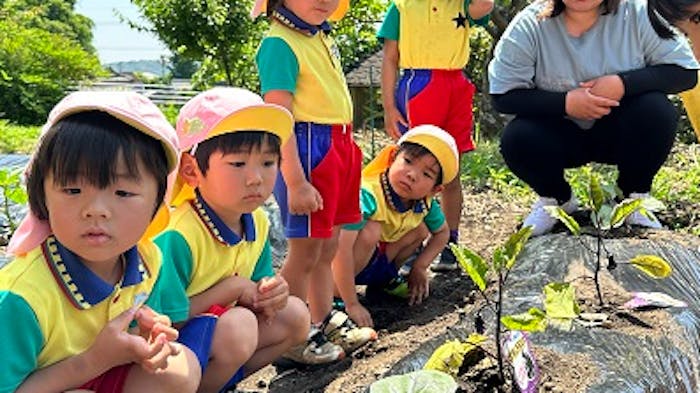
<point x="435" y="139"/>
<point x="224" y="110"/>
<point x="260" y="6"/>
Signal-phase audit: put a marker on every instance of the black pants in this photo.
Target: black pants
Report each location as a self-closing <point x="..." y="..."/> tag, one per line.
<point x="636" y="136"/>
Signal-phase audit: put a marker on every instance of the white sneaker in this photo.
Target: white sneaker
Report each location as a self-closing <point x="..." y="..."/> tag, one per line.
<point x="540" y="220"/>
<point x="639" y="219"/>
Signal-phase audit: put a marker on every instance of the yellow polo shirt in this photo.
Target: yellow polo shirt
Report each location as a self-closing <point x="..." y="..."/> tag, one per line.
<point x="432" y="34"/>
<point x="52" y="307"/>
<point x="309" y="67"/>
<point x="204" y="250"/>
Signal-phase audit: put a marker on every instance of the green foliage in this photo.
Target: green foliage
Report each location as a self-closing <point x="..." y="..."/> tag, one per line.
<point x="53" y="16"/>
<point x="472" y="264"/>
<point x="652" y="265"/>
<point x="355" y="34"/>
<point x="218" y="33"/>
<point x="181" y="67"/>
<point x="534" y="320"/>
<point x="170" y="111"/>
<point x="12" y="191"/>
<point x="484" y="169"/>
<point x="36" y="67"/>
<point x="17" y="139"/>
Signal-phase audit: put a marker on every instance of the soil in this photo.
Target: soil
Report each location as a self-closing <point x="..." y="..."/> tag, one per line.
<point x="488" y="219"/>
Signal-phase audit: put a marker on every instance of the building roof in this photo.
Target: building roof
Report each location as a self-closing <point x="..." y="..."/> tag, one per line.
<point x="367" y="73"/>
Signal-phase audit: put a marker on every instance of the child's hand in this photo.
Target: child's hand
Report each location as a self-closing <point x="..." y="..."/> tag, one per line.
<point x="249" y="294"/>
<point x="304" y="199"/>
<point x="160" y="334"/>
<point x="273" y="293"/>
<point x="359" y="314"/>
<point x="114" y="346"/>
<point x="392" y="118"/>
<point x="418" y="286"/>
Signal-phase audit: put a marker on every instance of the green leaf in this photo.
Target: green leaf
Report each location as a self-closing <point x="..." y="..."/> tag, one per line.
<point x="514" y="245"/>
<point x="449" y="356"/>
<point x="559" y="213"/>
<point x="652" y="265"/>
<point x="534" y="320"/>
<point x="622" y="210"/>
<point x="472" y="264"/>
<point x="597" y="193"/>
<point x="560" y="301"/>
<point x="421" y="381"/>
<point x="601" y="219"/>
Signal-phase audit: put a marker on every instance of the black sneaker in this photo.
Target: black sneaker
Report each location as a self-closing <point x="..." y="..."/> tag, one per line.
<point x="446" y="263"/>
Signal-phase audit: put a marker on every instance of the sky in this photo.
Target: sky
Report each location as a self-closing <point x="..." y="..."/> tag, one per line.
<point x="114" y="40"/>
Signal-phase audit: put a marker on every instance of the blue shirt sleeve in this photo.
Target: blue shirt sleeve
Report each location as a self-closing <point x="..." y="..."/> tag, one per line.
<point x="169" y="294"/>
<point x="390" y="27"/>
<point x="263" y="268"/>
<point x="435" y="217"/>
<point x="21" y="339"/>
<point x="278" y="67"/>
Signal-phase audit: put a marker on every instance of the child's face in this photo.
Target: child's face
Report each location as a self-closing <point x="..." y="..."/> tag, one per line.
<point x="100" y="224"/>
<point x="238" y="182"/>
<point x="314" y="12"/>
<point x="414" y="177"/>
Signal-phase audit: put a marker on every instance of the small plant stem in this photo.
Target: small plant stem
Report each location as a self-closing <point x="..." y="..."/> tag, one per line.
<point x="6" y="210"/>
<point x="599" y="242"/>
<point x="499" y="350"/>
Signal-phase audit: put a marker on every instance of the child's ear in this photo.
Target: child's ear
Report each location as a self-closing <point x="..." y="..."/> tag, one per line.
<point x="438" y="188"/>
<point x="189" y="169"/>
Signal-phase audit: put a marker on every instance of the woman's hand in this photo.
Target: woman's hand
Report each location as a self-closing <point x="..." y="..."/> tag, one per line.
<point x="582" y="104"/>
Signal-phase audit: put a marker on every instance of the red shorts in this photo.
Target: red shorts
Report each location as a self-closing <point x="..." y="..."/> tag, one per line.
<point x="332" y="163"/>
<point x="442" y="98"/>
<point x="111" y="381"/>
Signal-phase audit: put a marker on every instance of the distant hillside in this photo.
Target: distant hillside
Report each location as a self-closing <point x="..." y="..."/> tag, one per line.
<point x="152" y="66"/>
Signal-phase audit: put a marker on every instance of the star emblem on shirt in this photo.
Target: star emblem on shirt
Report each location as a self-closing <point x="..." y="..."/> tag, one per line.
<point x="460" y="20"/>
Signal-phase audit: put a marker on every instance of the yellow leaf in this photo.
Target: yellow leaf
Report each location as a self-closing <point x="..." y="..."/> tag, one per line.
<point x="652" y="265"/>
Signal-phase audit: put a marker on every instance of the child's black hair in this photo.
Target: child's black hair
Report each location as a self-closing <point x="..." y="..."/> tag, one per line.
<point x="235" y="142"/>
<point x="415" y="150"/>
<point x="272" y="5"/>
<point x="87" y="146"/>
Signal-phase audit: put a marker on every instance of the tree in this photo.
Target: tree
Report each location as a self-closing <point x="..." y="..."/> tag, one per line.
<point x="54" y="16"/>
<point x="219" y="33"/>
<point x="36" y="68"/>
<point x="356" y="33"/>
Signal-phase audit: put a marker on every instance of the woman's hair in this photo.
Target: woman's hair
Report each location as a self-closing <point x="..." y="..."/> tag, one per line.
<point x="235" y="142"/>
<point x="553" y="8"/>
<point x="673" y="11"/>
<point x="87" y="146"/>
<point x="415" y="150"/>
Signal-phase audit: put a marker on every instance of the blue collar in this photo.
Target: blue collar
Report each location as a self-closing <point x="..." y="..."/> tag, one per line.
<point x="394" y="200"/>
<point x="216" y="226"/>
<point x="283" y="15"/>
<point x="81" y="286"/>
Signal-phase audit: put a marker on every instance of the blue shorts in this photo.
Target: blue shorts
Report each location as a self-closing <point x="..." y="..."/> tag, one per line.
<point x="332" y="163"/>
<point x="379" y="270"/>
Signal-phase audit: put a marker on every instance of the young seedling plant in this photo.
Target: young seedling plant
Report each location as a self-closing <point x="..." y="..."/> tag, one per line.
<point x="606" y="215"/>
<point x="12" y="193"/>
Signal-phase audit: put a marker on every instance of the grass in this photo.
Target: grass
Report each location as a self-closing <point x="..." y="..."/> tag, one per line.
<point x="17" y="139"/>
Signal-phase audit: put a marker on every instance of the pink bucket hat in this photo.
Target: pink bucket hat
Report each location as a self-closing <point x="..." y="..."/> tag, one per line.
<point x="260" y="6"/>
<point x="224" y="110"/>
<point x="129" y="107"/>
<point x="435" y="139"/>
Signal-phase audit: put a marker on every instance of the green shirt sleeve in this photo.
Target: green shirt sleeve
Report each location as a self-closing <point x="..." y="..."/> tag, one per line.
<point x="368" y="205"/>
<point x="21" y="339"/>
<point x="278" y="67"/>
<point x="169" y="295"/>
<point x="390" y="26"/>
<point x="435" y="217"/>
<point x="263" y="268"/>
<point x="483" y="21"/>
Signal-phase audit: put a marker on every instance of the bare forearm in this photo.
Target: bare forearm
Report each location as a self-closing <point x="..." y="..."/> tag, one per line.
<point x="224" y="293"/>
<point x="390" y="67"/>
<point x="433" y="247"/>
